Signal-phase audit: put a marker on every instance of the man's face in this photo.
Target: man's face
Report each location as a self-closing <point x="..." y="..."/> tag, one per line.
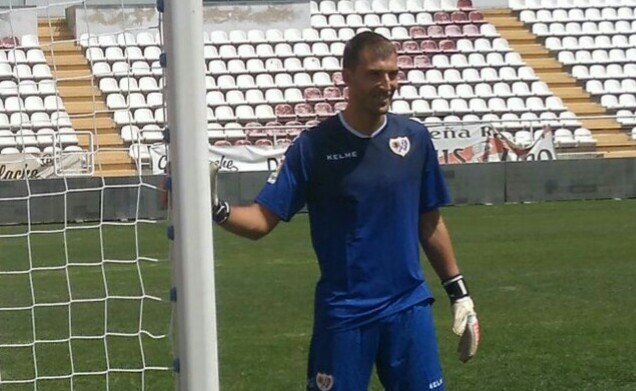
<point x="372" y="82"/>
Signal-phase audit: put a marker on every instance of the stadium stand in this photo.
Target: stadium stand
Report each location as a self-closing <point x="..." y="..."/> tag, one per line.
<point x="458" y="64"/>
<point x="454" y="64"/>
<point x="47" y="100"/>
<point x="595" y="43"/>
<point x="32" y="114"/>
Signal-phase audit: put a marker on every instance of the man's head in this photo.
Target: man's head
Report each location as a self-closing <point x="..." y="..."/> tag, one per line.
<point x="369" y="69"/>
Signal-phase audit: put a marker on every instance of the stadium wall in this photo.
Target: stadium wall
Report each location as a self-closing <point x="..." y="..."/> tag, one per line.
<point x="481" y="4"/>
<point x="19" y="22"/>
<point x="230" y="16"/>
<point x="487" y="183"/>
<point x="80" y="199"/>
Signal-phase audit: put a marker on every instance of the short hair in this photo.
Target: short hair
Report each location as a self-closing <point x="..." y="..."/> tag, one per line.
<point x="382" y="48"/>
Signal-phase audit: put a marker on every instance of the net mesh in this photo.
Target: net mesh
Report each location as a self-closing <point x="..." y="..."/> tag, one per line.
<point x="84" y="277"/>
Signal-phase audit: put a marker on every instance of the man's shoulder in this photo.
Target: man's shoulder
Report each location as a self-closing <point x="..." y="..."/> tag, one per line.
<point x="314" y="135"/>
<point x="402" y="123"/>
<point x="321" y="130"/>
<point x="325" y="125"/>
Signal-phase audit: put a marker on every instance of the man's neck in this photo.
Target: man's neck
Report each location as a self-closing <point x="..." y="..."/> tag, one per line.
<point x="361" y="121"/>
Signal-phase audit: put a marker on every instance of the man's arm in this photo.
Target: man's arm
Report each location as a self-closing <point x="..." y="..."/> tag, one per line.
<point x="437" y="244"/>
<point x="438" y="247"/>
<point x="252" y="222"/>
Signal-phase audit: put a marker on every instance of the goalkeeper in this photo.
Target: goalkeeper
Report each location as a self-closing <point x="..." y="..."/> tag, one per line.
<point x="372" y="186"/>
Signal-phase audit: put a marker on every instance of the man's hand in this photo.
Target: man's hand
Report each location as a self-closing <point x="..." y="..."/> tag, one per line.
<point x="220" y="209"/>
<point x="465" y="323"/>
<point x="466" y="326"/>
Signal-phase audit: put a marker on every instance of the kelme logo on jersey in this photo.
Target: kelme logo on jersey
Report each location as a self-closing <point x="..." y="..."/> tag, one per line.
<point x="324" y="381"/>
<point x="435" y="384"/>
<point x="400" y="145"/>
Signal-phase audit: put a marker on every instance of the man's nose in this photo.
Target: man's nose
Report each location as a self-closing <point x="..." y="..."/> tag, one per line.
<point x="385" y="82"/>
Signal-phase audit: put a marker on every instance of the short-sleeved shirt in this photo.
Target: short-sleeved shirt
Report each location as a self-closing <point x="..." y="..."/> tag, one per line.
<point x="364" y="196"/>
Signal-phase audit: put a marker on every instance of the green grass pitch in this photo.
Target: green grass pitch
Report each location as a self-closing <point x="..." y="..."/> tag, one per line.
<point x="553" y="284"/>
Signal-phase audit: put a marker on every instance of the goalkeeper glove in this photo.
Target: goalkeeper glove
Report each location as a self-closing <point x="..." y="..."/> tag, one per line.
<point x="220" y="209"/>
<point x="465" y="323"/>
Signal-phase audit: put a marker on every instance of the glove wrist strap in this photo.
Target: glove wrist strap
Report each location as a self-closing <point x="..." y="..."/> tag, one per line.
<point x="455" y="288"/>
<point x="221" y="212"/>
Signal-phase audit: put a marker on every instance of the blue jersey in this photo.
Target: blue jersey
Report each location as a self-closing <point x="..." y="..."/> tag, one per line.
<point x="364" y="195"/>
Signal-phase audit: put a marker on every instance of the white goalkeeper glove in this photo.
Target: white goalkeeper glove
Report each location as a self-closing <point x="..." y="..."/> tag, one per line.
<point x="465" y="322"/>
<point x="220" y="209"/>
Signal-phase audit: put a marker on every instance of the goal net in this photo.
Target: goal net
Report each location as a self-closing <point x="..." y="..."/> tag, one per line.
<point x="84" y="272"/>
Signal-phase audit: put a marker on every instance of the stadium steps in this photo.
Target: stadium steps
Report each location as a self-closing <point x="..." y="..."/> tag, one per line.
<point x="83" y="100"/>
<point x="57" y="48"/>
<point x="70" y="61"/>
<point x="612" y="139"/>
<point x="113" y="163"/>
<point x="81" y="94"/>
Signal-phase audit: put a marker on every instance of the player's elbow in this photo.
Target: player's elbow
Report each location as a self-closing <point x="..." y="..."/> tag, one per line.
<point x="257" y="233"/>
<point x="251" y="222"/>
<point x="264" y="222"/>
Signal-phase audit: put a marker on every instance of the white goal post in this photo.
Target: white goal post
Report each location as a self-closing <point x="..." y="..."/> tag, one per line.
<point x="191" y="202"/>
<point x="85" y="296"/>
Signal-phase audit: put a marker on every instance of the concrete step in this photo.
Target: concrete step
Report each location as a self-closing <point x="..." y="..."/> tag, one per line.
<point x="503" y="20"/>
<point x="54" y="26"/>
<point x="76" y="82"/>
<point x="48" y="41"/>
<point x="620" y="154"/>
<point x="571" y="100"/>
<point x="88" y="112"/>
<point x="607" y="125"/>
<point x="69" y="67"/>
<point x="516" y="35"/>
<point x="116" y="173"/>
<point x="532" y="49"/>
<point x="113" y="160"/>
<point x="77" y="90"/>
<point x="83" y="91"/>
<point x="62" y="47"/>
<point x="85" y="98"/>
<point x="107" y="140"/>
<point x="51" y="21"/>
<point x="92" y="123"/>
<point x="106" y="159"/>
<point x="86" y="107"/>
<point x="46" y="35"/>
<point x="108" y="156"/>
<point x="613" y="138"/>
<point x="558" y="79"/>
<point x="101" y="169"/>
<point x="66" y="60"/>
<point x="110" y="140"/>
<point x="615" y="149"/>
<point x="497" y="12"/>
<point x="103" y="130"/>
<point x="72" y="74"/>
<point x="571" y="93"/>
<point x="544" y="64"/>
<point x="586" y="108"/>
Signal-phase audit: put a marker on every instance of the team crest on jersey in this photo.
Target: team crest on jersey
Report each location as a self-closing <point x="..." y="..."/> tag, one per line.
<point x="400" y="145"/>
<point x="324" y="381"/>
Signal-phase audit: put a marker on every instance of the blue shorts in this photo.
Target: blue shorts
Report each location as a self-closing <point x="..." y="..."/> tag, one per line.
<point x="403" y="347"/>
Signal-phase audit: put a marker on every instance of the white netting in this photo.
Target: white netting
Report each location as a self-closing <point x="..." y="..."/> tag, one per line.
<point x="84" y="280"/>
